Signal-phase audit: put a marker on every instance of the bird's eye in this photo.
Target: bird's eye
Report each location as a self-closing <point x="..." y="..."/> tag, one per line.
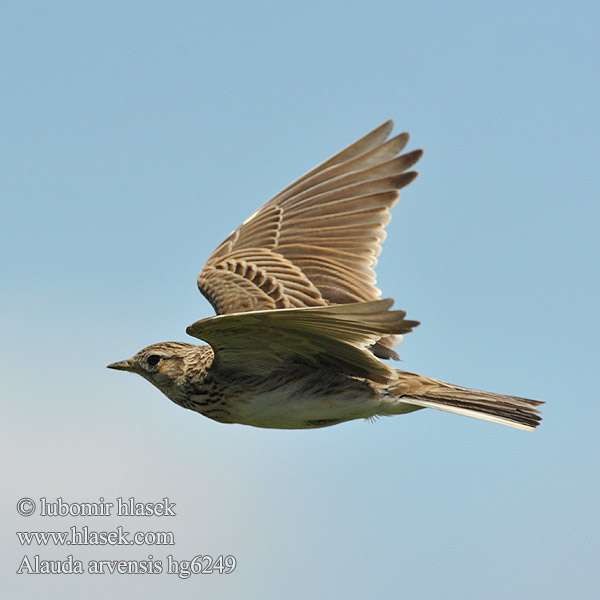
<point x="153" y="360"/>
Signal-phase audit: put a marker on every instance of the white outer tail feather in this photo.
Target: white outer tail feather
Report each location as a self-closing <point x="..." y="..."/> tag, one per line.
<point x="468" y="413"/>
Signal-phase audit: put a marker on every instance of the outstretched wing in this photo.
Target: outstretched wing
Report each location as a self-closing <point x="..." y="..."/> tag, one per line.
<point x="317" y="241"/>
<point x="337" y="336"/>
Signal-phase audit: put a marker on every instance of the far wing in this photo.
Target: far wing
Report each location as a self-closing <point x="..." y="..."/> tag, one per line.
<point x="317" y="241"/>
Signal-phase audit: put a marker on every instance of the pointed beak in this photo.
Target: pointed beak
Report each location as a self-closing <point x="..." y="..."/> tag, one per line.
<point x="124" y="365"/>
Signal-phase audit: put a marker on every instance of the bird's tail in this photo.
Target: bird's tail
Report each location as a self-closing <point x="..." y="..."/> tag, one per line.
<point x="419" y="391"/>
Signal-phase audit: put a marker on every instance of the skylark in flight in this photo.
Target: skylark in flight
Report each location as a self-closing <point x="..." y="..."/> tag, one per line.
<point x="301" y="331"/>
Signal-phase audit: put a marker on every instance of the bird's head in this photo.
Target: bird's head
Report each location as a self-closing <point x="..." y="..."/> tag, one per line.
<point x="164" y="365"/>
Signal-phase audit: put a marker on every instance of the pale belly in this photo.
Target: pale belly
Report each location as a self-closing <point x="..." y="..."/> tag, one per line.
<point x="294" y="401"/>
<point x="305" y="404"/>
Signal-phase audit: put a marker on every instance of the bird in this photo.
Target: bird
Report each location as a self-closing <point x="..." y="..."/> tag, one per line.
<point x="301" y="338"/>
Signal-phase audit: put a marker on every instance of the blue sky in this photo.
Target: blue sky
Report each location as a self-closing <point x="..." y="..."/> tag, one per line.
<point x="137" y="135"/>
